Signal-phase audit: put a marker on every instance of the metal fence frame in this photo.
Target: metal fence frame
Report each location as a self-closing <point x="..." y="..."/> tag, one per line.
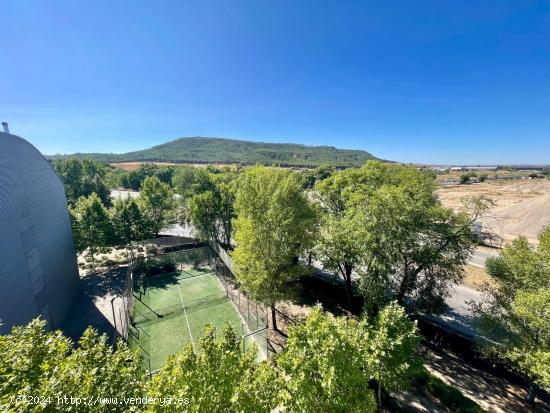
<point x="254" y="315"/>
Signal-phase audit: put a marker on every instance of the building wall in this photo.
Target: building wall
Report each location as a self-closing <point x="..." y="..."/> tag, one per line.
<point x="38" y="269"/>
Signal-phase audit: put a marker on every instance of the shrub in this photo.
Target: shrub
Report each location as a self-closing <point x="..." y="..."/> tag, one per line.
<point x="154" y="267"/>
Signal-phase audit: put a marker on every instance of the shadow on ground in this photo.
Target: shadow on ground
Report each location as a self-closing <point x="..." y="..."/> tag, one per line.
<point x="93" y="307"/>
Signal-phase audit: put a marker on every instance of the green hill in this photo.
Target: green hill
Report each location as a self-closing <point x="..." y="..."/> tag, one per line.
<point x="218" y="150"/>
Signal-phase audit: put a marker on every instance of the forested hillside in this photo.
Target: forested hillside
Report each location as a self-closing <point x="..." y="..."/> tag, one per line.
<point x="218" y="150"/>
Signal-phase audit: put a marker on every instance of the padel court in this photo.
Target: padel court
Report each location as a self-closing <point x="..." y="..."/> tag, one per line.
<point x="169" y="310"/>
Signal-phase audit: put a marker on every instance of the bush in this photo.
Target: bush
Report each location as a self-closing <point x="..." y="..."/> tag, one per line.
<point x="154" y="267"/>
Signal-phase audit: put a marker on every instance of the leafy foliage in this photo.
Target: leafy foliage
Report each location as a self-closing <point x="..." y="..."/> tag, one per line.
<point x="389" y="342"/>
<point x="404" y="245"/>
<point x="82" y="178"/>
<point x="219" y="378"/>
<point x="45" y="364"/>
<point x="211" y="208"/>
<point x="330" y="362"/>
<point x="516" y="314"/>
<point x="275" y="225"/>
<point x="329" y="365"/>
<point x="91" y="225"/>
<point x="157" y="203"/>
<point x="127" y="221"/>
<point x="134" y="179"/>
<point x="217" y="150"/>
<point x="324" y="368"/>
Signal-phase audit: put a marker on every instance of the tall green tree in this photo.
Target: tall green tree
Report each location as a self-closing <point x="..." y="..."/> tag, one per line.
<point x="220" y="377"/>
<point x="212" y="211"/>
<point x="127" y="222"/>
<point x="340" y="246"/>
<point x="91" y="225"/>
<point x="275" y="225"/>
<point x="188" y="181"/>
<point x="82" y="178"/>
<point x="157" y="203"/>
<point x="516" y="313"/>
<point x="419" y="247"/>
<point x="47" y="365"/>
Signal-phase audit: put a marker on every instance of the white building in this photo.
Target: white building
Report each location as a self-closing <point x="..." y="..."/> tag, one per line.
<point x="38" y="269"/>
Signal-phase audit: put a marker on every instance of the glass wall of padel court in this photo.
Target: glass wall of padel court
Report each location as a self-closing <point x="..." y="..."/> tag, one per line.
<point x="173" y="290"/>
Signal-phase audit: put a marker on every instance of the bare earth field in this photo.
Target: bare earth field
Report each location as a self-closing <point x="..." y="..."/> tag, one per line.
<point x="132" y="166"/>
<point x="522" y="207"/>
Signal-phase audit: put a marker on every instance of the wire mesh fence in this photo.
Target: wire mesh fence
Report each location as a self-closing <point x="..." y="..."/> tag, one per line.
<point x="187" y="261"/>
<point x="255" y="316"/>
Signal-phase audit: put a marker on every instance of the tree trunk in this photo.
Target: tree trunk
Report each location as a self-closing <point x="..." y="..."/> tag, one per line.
<point x="531" y="394"/>
<point x="349" y="292"/>
<point x="379" y="395"/>
<point x="403" y="287"/>
<point x="274" y="318"/>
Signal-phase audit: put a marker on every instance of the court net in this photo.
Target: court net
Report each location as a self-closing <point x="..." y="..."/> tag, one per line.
<point x="146" y="313"/>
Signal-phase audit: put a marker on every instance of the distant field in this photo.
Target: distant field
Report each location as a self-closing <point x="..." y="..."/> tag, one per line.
<point x="522" y="207"/>
<point x="132" y="166"/>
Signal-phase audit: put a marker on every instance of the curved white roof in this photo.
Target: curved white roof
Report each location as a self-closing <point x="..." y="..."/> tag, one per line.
<point x="38" y="271"/>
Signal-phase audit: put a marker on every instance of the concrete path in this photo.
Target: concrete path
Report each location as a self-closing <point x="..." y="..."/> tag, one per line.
<point x="480" y="255"/>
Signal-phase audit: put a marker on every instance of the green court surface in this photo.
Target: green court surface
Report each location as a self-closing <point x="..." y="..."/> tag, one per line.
<point x="170" y="310"/>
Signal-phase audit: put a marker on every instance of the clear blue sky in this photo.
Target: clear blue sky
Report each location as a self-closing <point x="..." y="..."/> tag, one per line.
<point x="417" y="81"/>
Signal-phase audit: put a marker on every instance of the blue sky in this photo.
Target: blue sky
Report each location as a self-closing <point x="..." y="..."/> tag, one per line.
<point x="426" y="81"/>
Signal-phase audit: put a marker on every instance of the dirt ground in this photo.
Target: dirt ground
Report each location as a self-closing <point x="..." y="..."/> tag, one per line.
<point x="522" y="207"/>
<point x="132" y="166"/>
<point x="476" y="277"/>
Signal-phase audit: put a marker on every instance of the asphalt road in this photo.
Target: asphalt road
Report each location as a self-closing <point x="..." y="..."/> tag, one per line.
<point x="480" y="255"/>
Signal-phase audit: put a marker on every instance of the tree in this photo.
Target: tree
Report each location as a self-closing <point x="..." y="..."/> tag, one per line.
<point x="220" y="377"/>
<point x="91" y="225"/>
<point x="324" y="369"/>
<point x="212" y="211"/>
<point x="189" y="181"/>
<point x="157" y="203"/>
<point x="46" y="365"/>
<point x="275" y="225"/>
<point x="82" y="178"/>
<point x="385" y="223"/>
<point x="418" y="243"/>
<point x="203" y="210"/>
<point x="340" y="247"/>
<point x="127" y="222"/>
<point x="389" y="343"/>
<point x="413" y="245"/>
<point x="515" y="315"/>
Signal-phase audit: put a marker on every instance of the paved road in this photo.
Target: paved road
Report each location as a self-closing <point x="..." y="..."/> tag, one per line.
<point x="479" y="256"/>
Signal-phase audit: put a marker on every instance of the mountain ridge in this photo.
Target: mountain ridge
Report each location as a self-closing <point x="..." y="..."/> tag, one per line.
<point x="198" y="149"/>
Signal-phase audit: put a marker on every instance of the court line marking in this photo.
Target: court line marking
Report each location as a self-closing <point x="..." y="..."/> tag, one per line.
<point x="186" y="319"/>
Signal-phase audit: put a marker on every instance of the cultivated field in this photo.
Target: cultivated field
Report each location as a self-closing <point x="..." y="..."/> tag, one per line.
<point x="132" y="166"/>
<point x="522" y="207"/>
